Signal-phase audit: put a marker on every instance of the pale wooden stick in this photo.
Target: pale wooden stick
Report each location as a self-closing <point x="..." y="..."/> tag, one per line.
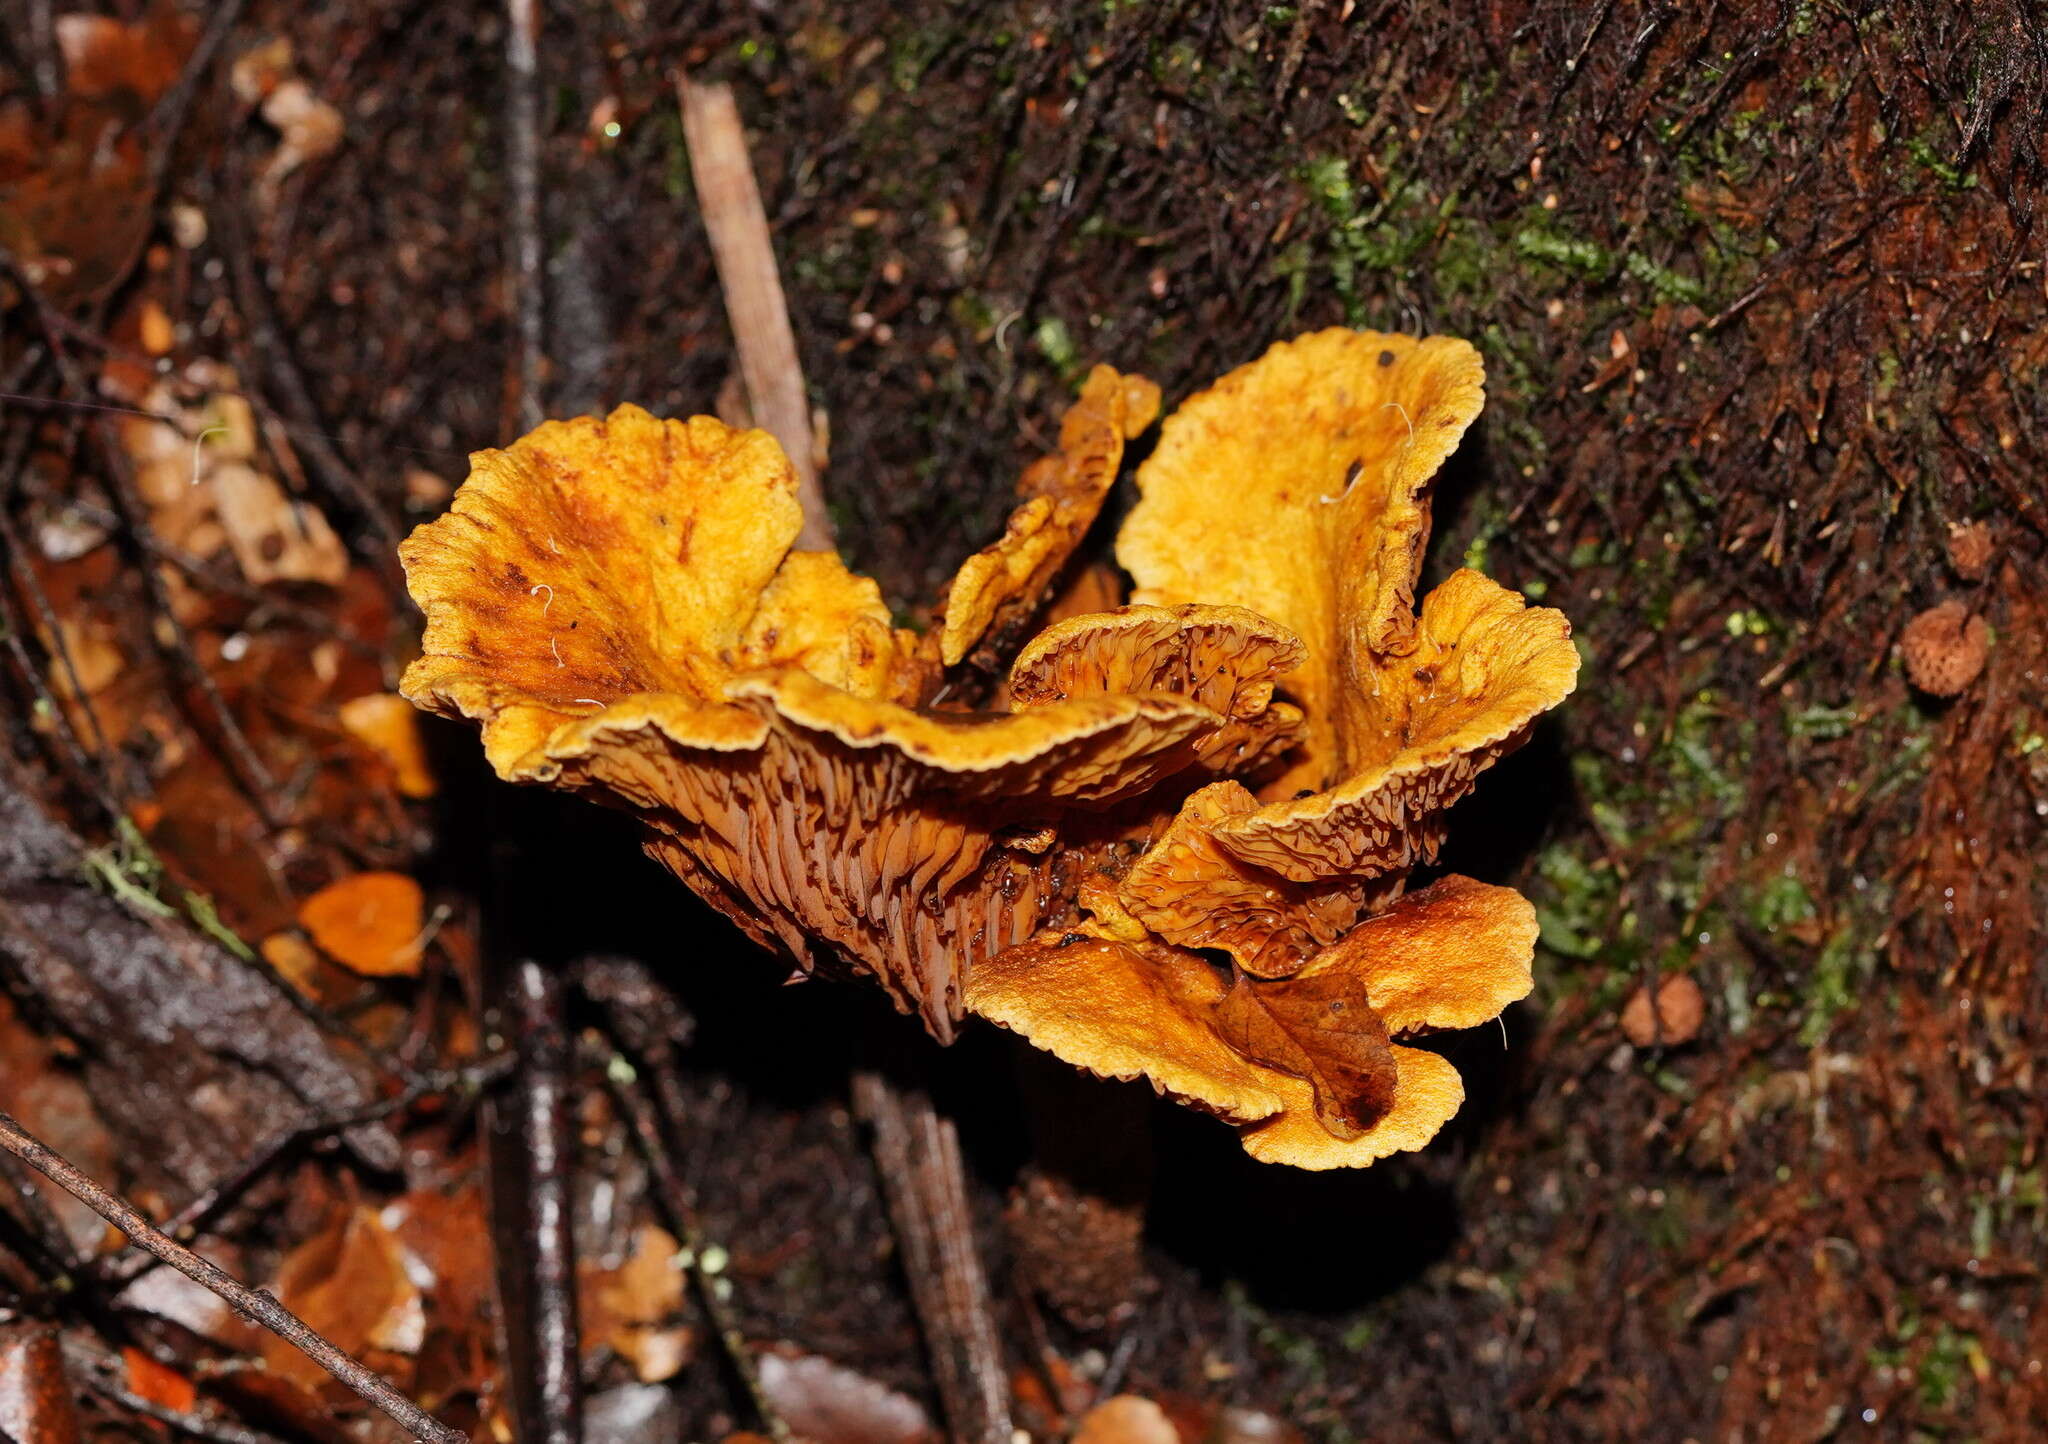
<point x="738" y="225"/>
<point x="918" y="1156"/>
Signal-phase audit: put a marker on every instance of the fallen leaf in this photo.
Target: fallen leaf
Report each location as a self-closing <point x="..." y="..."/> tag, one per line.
<point x="390" y="726"/>
<point x="274" y="537"/>
<point x="310" y="128"/>
<point x="350" y="1283"/>
<point x="158" y="1383"/>
<point x="35" y="1395"/>
<point x="1317" y="1026"/>
<point x="108" y="60"/>
<point x="633" y="1309"/>
<point x="1126" y="1419"/>
<point x="296" y="961"/>
<point x="370" y="923"/>
<point x="828" y="1404"/>
<point x="155" y="329"/>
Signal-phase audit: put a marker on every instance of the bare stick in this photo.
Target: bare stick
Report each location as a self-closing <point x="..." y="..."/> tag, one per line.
<point x="45" y="56"/>
<point x="533" y="1154"/>
<point x="255" y="1305"/>
<point x="522" y="146"/>
<point x="754" y="304"/>
<point x="918" y="1156"/>
<point x="646" y="1019"/>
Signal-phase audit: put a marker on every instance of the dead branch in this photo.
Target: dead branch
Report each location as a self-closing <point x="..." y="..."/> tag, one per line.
<point x="730" y="202"/>
<point x="917" y="1154"/>
<point x="533" y="1156"/>
<point x="645" y="1018"/>
<point x="255" y="1305"/>
<point x="522" y="147"/>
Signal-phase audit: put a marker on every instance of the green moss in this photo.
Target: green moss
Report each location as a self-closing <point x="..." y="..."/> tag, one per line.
<point x="1839" y="972"/>
<point x="1572" y="254"/>
<point x="1666" y="283"/>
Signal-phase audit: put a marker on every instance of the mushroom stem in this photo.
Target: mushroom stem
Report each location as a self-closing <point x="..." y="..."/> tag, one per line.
<point x="917" y="1154"/>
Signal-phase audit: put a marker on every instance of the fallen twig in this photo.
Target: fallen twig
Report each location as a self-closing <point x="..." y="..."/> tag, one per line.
<point x="917" y="1154"/>
<point x="255" y="1305"/>
<point x="540" y="1273"/>
<point x="522" y="159"/>
<point x="646" y="1019"/>
<point x="738" y="226"/>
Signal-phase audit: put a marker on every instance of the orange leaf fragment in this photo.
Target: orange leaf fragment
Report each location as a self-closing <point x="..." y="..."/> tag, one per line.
<point x="1319" y="1027"/>
<point x="389" y="725"/>
<point x="1126" y="1419"/>
<point x="633" y="1309"/>
<point x="35" y="1394"/>
<point x="349" y="1282"/>
<point x="158" y="1383"/>
<point x="370" y="923"/>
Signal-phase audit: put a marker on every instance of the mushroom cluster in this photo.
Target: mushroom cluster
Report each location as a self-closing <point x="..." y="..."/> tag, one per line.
<point x="1172" y="842"/>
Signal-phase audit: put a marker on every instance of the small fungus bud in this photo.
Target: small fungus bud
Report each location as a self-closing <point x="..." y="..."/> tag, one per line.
<point x="1970" y="549"/>
<point x="1945" y="647"/>
<point x="1680" y="1011"/>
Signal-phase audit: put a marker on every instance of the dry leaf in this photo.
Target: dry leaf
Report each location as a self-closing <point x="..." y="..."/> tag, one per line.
<point x="390" y="726"/>
<point x="35" y="1394"/>
<point x="309" y="128"/>
<point x="155" y="329"/>
<point x="275" y="538"/>
<point x="350" y="1283"/>
<point x="1318" y="1027"/>
<point x="828" y="1404"/>
<point x="370" y="923"/>
<point x="107" y="60"/>
<point x="158" y="1383"/>
<point x="633" y="1309"/>
<point x="1126" y="1419"/>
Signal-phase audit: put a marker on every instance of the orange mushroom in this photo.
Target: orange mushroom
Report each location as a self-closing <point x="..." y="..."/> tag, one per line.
<point x="1178" y="848"/>
<point x="617" y="603"/>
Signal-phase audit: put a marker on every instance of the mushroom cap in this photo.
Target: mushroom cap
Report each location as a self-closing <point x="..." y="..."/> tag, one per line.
<point x="1000" y="586"/>
<point x="1327" y="444"/>
<point x="1482" y="669"/>
<point x="1308" y="1059"/>
<point x="1427" y="1094"/>
<point x="1332" y="441"/>
<point x="1945" y="647"/>
<point x="593" y="562"/>
<point x="1192" y="891"/>
<point x="1125" y="1010"/>
<point x="1226" y="658"/>
<point x="616" y="602"/>
<point x="1245" y="761"/>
